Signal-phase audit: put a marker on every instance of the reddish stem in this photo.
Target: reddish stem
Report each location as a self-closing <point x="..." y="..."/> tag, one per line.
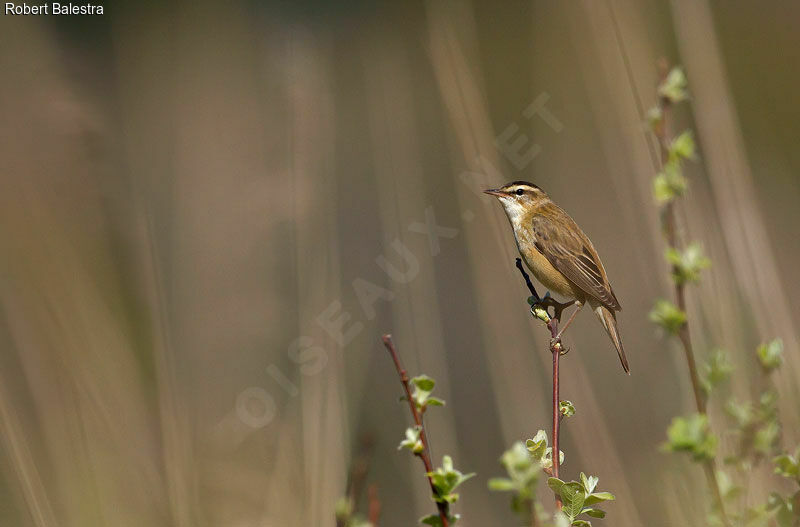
<point x="556" y="453"/>
<point x="425" y="456"/>
<point x="672" y="237"/>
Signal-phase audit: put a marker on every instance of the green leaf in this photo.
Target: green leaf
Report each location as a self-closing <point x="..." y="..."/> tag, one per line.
<point x="555" y="484"/>
<point x="566" y="408"/>
<point x="682" y="147"/>
<point x="431" y="519"/>
<point x="343" y="508"/>
<point x="547" y="460"/>
<point x="434" y="401"/>
<point x="560" y="520"/>
<point x="766" y="437"/>
<point x="771" y="355"/>
<point x="581" y="523"/>
<point x="787" y="466"/>
<point x="691" y="434"/>
<point x="423" y="382"/>
<point x="501" y="484"/>
<point x="594" y="513"/>
<point x="669" y="184"/>
<point x="727" y="488"/>
<point x="573" y="497"/>
<point x="589" y="483"/>
<point x="668" y="316"/>
<point x="742" y="413"/>
<point x="598" y="497"/>
<point x="716" y="371"/>
<point x="446" y="479"/>
<point x="412" y="440"/>
<point x="538" y="445"/>
<point x="673" y="88"/>
<point x="687" y="264"/>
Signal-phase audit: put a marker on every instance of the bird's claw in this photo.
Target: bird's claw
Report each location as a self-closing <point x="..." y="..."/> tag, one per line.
<point x="557" y="345"/>
<point x="548" y="301"/>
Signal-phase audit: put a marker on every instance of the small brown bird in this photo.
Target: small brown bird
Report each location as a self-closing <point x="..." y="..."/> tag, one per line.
<point x="560" y="255"/>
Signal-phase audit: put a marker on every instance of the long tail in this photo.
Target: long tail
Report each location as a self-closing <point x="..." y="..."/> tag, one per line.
<point x="609" y="321"/>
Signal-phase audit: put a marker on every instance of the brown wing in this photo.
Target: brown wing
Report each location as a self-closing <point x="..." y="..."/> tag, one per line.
<point x="568" y="249"/>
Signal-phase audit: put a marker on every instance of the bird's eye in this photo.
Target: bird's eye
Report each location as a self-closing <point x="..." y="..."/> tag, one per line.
<point x="519" y="192"/>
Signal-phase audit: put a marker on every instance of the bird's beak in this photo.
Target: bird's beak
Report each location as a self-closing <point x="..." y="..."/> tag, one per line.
<point x="496" y="192"/>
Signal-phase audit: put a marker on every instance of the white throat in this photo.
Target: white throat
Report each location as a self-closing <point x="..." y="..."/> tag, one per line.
<point x="514" y="210"/>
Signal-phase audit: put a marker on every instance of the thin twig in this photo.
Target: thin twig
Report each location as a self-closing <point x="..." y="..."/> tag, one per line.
<point x="672" y="237"/>
<point x="425" y="455"/>
<point x="556" y="350"/>
<point x="374" y="507"/>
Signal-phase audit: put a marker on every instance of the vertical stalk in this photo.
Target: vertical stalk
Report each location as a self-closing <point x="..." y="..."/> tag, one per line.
<point x="555" y="349"/>
<point x="553" y="326"/>
<point x="669" y="223"/>
<point x="425" y="455"/>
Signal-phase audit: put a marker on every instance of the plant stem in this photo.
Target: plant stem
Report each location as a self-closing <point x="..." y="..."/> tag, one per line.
<point x="669" y="223"/>
<point x="552" y="325"/>
<point x="374" y="507"/>
<point x="425" y="456"/>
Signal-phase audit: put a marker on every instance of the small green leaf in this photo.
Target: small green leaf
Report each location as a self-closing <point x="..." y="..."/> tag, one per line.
<point x="771" y="355"/>
<point x="412" y="441"/>
<point x="343" y="508"/>
<point x="423" y="382"/>
<point x="716" y="371"/>
<point x="691" y="434"/>
<point x="573" y="497"/>
<point x="566" y="408"/>
<point x="501" y="484"/>
<point x="674" y="85"/>
<point x="446" y="479"/>
<point x="555" y="484"/>
<point x="598" y="497"/>
<point x="687" y="264"/>
<point x="434" y="401"/>
<point x="682" y="147"/>
<point x="560" y="520"/>
<point x="668" y="316"/>
<point x="589" y="483"/>
<point x="766" y="437"/>
<point x="594" y="513"/>
<point x="538" y="445"/>
<point x="431" y="519"/>
<point x="787" y="466"/>
<point x="581" y="523"/>
<point x="669" y="184"/>
<point x="742" y="413"/>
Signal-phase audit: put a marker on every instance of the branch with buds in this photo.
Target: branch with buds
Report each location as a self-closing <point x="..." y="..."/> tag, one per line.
<point x="444" y="480"/>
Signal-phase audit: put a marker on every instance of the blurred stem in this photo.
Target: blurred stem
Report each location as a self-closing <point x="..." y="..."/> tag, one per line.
<point x="669" y="224"/>
<point x="374" y="509"/>
<point x="555" y="349"/>
<point x="425" y="455"/>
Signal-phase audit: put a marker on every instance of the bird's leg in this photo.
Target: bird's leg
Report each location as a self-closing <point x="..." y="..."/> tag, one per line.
<point x="548" y="301"/>
<point x="569" y="321"/>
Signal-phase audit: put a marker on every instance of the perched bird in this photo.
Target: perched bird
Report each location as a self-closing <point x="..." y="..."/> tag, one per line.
<point x="560" y="255"/>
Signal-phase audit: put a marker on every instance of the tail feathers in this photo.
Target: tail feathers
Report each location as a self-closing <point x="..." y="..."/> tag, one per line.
<point x="609" y="321"/>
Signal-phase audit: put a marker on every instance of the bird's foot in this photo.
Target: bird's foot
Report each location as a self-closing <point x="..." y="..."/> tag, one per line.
<point x="558" y="307"/>
<point x="557" y="345"/>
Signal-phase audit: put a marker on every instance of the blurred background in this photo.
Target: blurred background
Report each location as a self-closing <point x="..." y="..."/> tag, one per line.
<point x="211" y="211"/>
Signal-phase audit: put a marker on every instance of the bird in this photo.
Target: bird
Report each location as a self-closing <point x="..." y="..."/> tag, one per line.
<point x="560" y="255"/>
